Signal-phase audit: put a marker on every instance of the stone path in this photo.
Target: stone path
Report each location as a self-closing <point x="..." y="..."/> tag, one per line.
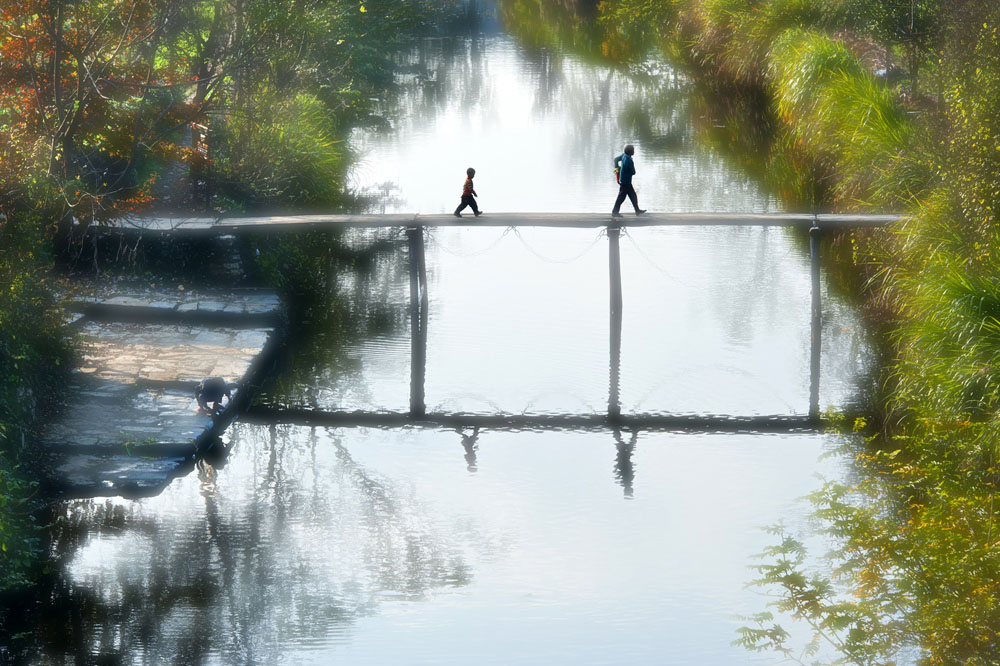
<point x="131" y="423"/>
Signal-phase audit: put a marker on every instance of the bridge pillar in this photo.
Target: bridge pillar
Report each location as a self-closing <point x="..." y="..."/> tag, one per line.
<point x="615" y="282"/>
<point x="816" y="323"/>
<point x="418" y="320"/>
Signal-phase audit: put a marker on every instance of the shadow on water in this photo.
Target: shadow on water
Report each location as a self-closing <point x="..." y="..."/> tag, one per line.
<point x="362" y="302"/>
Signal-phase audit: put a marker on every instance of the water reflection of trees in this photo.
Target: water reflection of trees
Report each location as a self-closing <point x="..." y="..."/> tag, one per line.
<point x="365" y="298"/>
<point x="286" y="545"/>
<point x="605" y="104"/>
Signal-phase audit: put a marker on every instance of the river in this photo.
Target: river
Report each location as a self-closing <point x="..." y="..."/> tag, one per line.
<point x="418" y="545"/>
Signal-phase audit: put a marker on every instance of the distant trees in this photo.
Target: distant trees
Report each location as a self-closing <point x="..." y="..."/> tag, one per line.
<point x="916" y="26"/>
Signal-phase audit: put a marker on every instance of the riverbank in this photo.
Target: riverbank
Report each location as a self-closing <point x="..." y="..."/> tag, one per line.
<point x="35" y="355"/>
<point x="917" y="544"/>
<point x="128" y="421"/>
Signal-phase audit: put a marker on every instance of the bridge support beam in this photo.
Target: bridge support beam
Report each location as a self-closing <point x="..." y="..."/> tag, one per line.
<point x="418" y="321"/>
<point x="816" y="323"/>
<point x="615" y="337"/>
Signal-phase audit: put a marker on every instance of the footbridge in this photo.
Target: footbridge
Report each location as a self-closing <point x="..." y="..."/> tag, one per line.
<point x="815" y="224"/>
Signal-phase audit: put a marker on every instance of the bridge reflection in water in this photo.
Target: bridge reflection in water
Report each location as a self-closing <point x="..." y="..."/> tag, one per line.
<point x="624" y="427"/>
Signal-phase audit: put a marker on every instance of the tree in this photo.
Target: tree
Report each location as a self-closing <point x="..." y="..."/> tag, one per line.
<point x="915" y="25"/>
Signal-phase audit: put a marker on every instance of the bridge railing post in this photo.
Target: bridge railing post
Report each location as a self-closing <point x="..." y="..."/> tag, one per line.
<point x="816" y="321"/>
<point x="615" y="311"/>
<point x="418" y="320"/>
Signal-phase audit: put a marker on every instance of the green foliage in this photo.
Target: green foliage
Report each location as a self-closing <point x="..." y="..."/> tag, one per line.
<point x="863" y="630"/>
<point x="916" y="25"/>
<point x="949" y="338"/>
<point x="633" y="27"/>
<point x="20" y="534"/>
<point x="803" y="64"/>
<point x="278" y="150"/>
<point x="31" y="336"/>
<point x="915" y="569"/>
<point x="33" y="357"/>
<point x="564" y="25"/>
<point x="916" y="566"/>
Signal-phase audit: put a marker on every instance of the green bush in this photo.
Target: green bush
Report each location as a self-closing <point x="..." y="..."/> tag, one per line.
<point x="33" y="356"/>
<point x="848" y="121"/>
<point x="279" y="150"/>
<point x="914" y="571"/>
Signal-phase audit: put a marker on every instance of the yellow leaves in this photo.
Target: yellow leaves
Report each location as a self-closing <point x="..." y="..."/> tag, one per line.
<point x="363" y="9"/>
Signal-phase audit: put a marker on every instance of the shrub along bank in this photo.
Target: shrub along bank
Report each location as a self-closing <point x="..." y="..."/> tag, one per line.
<point x="33" y="359"/>
<point x="881" y="106"/>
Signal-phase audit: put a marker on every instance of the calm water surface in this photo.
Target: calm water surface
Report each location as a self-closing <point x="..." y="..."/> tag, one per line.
<point x="427" y="546"/>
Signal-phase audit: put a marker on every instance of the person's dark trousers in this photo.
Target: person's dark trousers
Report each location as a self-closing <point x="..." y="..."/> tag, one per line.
<point x="624" y="190"/>
<point x="470" y="202"/>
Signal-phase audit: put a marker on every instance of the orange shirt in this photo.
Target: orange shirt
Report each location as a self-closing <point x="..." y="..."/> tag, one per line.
<point x="467" y="188"/>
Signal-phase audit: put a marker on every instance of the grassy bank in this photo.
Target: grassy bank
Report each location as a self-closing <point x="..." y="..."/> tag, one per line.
<point x="871" y="111"/>
<point x="34" y="355"/>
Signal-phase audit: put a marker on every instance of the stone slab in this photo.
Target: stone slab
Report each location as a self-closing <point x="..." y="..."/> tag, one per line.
<point x="178" y="305"/>
<point x="97" y="475"/>
<point x="128" y="352"/>
<point x="130" y="404"/>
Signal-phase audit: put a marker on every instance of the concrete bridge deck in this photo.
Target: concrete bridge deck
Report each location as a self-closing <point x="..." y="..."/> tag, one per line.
<point x="278" y="223"/>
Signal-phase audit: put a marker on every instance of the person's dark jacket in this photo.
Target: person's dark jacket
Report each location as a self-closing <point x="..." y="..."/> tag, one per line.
<point x="627" y="168"/>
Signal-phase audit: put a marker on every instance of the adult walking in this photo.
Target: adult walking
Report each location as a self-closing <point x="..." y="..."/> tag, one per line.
<point x="625" y="166"/>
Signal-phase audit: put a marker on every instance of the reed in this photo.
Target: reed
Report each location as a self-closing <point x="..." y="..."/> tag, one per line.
<point x="278" y="150"/>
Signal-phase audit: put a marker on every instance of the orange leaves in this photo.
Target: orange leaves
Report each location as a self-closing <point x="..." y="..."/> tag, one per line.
<point x="78" y="96"/>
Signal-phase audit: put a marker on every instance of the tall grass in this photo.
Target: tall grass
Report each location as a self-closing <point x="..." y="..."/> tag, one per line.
<point x="917" y="533"/>
<point x="279" y="150"/>
<point x="849" y="121"/>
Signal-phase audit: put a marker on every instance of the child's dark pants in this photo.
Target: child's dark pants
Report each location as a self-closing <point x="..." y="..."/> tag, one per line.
<point x="469" y="201"/>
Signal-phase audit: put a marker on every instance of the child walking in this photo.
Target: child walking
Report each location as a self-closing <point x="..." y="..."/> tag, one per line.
<point x="468" y="195"/>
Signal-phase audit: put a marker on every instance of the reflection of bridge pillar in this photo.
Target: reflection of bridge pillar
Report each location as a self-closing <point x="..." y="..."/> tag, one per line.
<point x="615" y="281"/>
<point x="418" y="321"/>
<point x="816" y="323"/>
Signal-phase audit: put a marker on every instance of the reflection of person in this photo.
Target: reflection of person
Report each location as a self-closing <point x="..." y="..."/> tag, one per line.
<point x="468" y="195"/>
<point x="469" y="444"/>
<point x="626" y="169"/>
<point x="624" y="471"/>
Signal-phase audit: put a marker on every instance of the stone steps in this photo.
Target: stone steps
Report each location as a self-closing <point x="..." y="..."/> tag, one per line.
<point x="130" y="422"/>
